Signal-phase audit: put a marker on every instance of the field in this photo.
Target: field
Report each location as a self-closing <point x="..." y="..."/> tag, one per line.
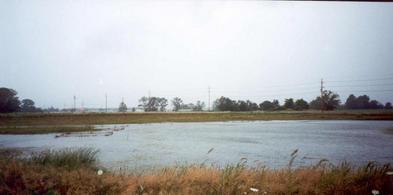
<point x="33" y="123"/>
<point x="77" y="172"/>
<point x="19" y="119"/>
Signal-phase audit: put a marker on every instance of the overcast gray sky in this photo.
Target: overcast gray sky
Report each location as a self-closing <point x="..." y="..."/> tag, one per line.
<point x="257" y="50"/>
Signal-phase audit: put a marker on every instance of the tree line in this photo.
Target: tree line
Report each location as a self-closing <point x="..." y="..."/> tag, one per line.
<point x="154" y="104"/>
<point x="327" y="101"/>
<point x="9" y="102"/>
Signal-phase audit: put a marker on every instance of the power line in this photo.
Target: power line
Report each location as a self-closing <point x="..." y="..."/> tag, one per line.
<point x="361" y="80"/>
<point x="388" y="90"/>
<point x="372" y="85"/>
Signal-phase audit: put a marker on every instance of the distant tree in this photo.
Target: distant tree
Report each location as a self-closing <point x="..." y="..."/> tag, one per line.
<point x="252" y="106"/>
<point x="28" y="106"/>
<point x="301" y="104"/>
<point x="267" y="106"/>
<point x="388" y="105"/>
<point x="9" y="102"/>
<point x="225" y="104"/>
<point x="122" y="107"/>
<point x="329" y="101"/>
<point x="162" y="103"/>
<point x="143" y="102"/>
<point x="276" y="104"/>
<point x="362" y="102"/>
<point x="177" y="103"/>
<point x="289" y="104"/>
<point x="270" y="105"/>
<point x="315" y="104"/>
<point x="152" y="104"/>
<point x="351" y="102"/>
<point x="374" y="104"/>
<point x="199" y="106"/>
<point x="242" y="105"/>
<point x="149" y="104"/>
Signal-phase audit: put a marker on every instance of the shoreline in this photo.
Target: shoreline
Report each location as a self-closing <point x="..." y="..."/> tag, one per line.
<point x="77" y="172"/>
<point x="41" y="123"/>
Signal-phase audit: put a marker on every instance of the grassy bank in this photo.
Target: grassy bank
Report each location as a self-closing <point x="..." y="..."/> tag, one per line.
<point x="129" y="118"/>
<point x="45" y="129"/>
<point x="35" y="175"/>
<point x="71" y="171"/>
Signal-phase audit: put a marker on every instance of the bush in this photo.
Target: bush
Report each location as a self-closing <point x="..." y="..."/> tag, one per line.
<point x="68" y="158"/>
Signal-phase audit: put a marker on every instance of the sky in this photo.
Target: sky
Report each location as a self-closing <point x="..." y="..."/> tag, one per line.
<point x="256" y="50"/>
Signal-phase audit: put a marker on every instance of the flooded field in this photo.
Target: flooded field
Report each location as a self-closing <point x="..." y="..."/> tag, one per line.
<point x="268" y="143"/>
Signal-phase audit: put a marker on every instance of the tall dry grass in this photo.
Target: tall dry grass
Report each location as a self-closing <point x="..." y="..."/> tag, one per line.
<point x="238" y="179"/>
<point x="70" y="171"/>
<point x="27" y="176"/>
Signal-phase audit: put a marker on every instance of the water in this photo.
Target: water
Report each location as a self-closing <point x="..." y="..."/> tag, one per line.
<point x="268" y="143"/>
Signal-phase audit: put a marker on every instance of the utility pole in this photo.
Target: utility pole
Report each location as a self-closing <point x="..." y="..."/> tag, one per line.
<point x="74" y="104"/>
<point x="106" y="102"/>
<point x="149" y="94"/>
<point x="321" y="95"/>
<point x="208" y="91"/>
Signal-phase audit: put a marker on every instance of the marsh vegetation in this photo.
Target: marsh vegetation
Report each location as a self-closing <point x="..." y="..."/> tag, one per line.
<point x="75" y="171"/>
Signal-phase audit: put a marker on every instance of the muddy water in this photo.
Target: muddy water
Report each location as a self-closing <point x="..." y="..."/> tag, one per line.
<point x="262" y="142"/>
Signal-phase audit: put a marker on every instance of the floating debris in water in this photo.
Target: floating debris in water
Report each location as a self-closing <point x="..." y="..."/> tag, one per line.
<point x="100" y="172"/>
<point x="119" y="128"/>
<point x="85" y="134"/>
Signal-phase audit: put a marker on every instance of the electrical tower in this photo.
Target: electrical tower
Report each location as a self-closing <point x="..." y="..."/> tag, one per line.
<point x="74" y="104"/>
<point x="106" y="102"/>
<point x="208" y="91"/>
<point x="321" y="95"/>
